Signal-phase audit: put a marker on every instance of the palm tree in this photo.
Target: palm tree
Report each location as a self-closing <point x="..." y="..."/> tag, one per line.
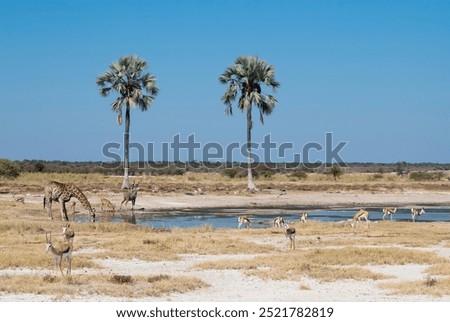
<point x="244" y="79"/>
<point x="127" y="77"/>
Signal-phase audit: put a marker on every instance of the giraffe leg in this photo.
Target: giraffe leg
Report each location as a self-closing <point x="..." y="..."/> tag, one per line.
<point x="64" y="216"/>
<point x="48" y="206"/>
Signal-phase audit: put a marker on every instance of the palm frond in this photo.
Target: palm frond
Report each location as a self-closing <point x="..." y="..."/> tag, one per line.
<point x="261" y="117"/>
<point x="229" y="110"/>
<point x="117" y="105"/>
<point x="104" y="91"/>
<point x="126" y="77"/>
<point x="246" y="76"/>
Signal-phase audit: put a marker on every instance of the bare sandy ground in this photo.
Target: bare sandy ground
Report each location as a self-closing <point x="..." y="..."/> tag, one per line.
<point x="278" y="199"/>
<point x="234" y="285"/>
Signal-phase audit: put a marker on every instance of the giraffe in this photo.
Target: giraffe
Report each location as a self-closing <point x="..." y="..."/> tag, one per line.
<point x="62" y="192"/>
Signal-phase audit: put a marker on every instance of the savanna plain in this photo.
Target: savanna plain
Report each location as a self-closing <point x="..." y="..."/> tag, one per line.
<point x="115" y="260"/>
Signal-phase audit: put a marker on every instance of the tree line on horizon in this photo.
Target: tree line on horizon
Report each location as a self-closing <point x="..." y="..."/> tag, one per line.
<point x="12" y="169"/>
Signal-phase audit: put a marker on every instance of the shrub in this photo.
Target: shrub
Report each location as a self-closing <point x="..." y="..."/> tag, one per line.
<point x="244" y="173"/>
<point x="426" y="176"/>
<point x="377" y="176"/>
<point x="336" y="171"/>
<point x="230" y="173"/>
<point x="9" y="169"/>
<point x="299" y="174"/>
<point x="266" y="174"/>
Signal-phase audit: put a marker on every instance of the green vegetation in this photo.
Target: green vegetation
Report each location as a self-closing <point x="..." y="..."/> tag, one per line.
<point x="336" y="171"/>
<point x="127" y="77"/>
<point x="378" y="170"/>
<point x="244" y="79"/>
<point x="426" y="176"/>
<point x="9" y="169"/>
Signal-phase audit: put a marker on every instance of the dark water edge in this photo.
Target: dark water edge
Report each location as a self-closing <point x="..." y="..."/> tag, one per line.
<point x="262" y="218"/>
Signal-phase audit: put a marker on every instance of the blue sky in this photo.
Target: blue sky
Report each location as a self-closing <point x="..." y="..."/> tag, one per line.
<point x="376" y="74"/>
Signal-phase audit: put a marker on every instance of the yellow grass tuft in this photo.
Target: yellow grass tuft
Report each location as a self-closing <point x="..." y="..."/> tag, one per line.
<point x="429" y="286"/>
<point x="81" y="285"/>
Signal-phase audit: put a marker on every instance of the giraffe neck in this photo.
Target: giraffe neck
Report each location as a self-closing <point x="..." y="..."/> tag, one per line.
<point x="77" y="193"/>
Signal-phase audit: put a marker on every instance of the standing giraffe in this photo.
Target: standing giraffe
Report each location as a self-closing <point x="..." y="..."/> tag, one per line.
<point x="62" y="192"/>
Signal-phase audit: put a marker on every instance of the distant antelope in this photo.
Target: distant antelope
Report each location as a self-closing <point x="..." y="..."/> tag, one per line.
<point x="278" y="221"/>
<point x="360" y="214"/>
<point x="389" y="211"/>
<point x="68" y="233"/>
<point x="72" y="204"/>
<point x="130" y="194"/>
<point x="290" y="233"/>
<point x="416" y="212"/>
<point x="60" y="251"/>
<point x="18" y="199"/>
<point x="107" y="205"/>
<point x="244" y="220"/>
<point x="304" y="217"/>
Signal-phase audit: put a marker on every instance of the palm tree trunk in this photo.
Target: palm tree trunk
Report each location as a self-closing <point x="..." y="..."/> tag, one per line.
<point x="126" y="150"/>
<point x="250" y="184"/>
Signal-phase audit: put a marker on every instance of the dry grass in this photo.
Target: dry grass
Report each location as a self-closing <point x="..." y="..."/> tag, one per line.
<point x="379" y="234"/>
<point x="342" y="253"/>
<point x="167" y="246"/>
<point x="215" y="183"/>
<point x="439" y="269"/>
<point x="100" y="285"/>
<point x="326" y="264"/>
<point x="429" y="286"/>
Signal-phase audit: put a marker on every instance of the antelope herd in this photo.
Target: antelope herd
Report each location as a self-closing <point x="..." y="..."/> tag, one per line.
<point x="361" y="215"/>
<point x="62" y="193"/>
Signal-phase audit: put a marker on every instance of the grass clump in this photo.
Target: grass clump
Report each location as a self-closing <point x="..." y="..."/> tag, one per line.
<point x="117" y="286"/>
<point x="429" y="286"/>
<point x="326" y="264"/>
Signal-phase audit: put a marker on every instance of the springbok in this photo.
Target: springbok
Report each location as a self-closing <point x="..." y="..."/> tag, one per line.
<point x="360" y="214"/>
<point x="389" y="211"/>
<point x="73" y="205"/>
<point x="278" y="221"/>
<point x="304" y="217"/>
<point x="289" y="232"/>
<point x="60" y="252"/>
<point x="416" y="212"/>
<point x="18" y="199"/>
<point x="244" y="220"/>
<point x="107" y="205"/>
<point x="68" y="233"/>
